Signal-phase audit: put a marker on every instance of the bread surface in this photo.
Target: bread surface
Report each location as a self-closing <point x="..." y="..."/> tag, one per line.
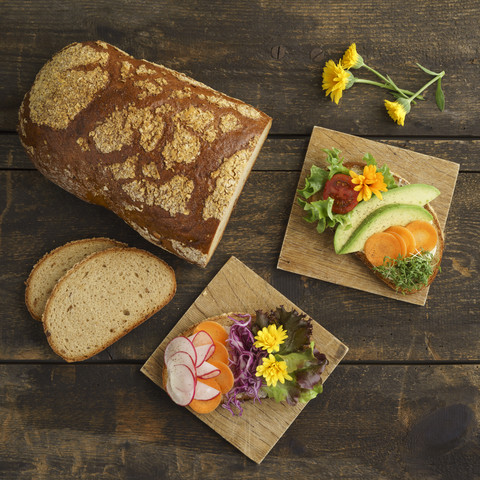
<point x="166" y="153"/>
<point x="102" y="298"/>
<point x="53" y="265"/>
<point x="358" y="167"/>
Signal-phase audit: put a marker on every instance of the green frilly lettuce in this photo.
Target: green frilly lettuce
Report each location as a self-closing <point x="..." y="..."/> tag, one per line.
<point x="320" y="211"/>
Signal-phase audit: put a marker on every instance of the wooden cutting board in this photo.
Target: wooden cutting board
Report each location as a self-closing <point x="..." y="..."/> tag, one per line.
<point x="236" y="288"/>
<point x="306" y="252"/>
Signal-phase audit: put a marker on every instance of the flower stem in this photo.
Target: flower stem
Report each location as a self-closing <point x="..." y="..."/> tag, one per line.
<point x="388" y="86"/>
<point x="378" y="74"/>
<point x="433" y="80"/>
<point x="389" y="83"/>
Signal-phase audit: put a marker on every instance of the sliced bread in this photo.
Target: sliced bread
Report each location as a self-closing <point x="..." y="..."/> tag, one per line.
<point x="104" y="297"/>
<point x="53" y="265"/>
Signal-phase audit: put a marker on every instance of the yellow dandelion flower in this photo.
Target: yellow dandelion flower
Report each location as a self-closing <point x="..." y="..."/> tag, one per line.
<point x="398" y="110"/>
<point x="273" y="371"/>
<point x="335" y="80"/>
<point x="351" y="58"/>
<point x="370" y="182"/>
<point x="270" y="338"/>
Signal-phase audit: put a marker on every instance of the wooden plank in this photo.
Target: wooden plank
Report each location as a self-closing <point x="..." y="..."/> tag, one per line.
<point x="283" y="153"/>
<point x="306" y="252"/>
<point x="372" y="421"/>
<point x="267" y="55"/>
<point x="37" y="216"/>
<point x="236" y="288"/>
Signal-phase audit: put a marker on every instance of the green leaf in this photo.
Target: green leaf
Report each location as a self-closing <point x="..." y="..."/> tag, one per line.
<point x="439" y="96"/>
<point x="427" y="71"/>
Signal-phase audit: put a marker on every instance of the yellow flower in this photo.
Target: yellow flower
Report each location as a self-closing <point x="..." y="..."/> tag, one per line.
<point x="336" y="80"/>
<point x="351" y="59"/>
<point x="397" y="110"/>
<point x="270" y="338"/>
<point x="370" y="182"/>
<point x="273" y="371"/>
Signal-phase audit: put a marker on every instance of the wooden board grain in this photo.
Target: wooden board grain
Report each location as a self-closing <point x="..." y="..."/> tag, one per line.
<point x="269" y="54"/>
<point x="108" y="421"/>
<point x="236" y="288"/>
<point x="306" y="252"/>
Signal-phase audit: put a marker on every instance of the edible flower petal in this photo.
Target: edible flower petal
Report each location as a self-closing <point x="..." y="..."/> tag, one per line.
<point x="370" y="182"/>
<point x="335" y="80"/>
<point x="351" y="58"/>
<point x="270" y="338"/>
<point x="273" y="371"/>
<point x="397" y="111"/>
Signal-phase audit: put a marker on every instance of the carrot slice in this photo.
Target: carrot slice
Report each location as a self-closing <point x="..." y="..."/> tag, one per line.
<point x="220" y="354"/>
<point x="424" y="233"/>
<point x="403" y="244"/>
<point x="225" y="380"/>
<point x="207" y="406"/>
<point x="407" y="236"/>
<point x="381" y="245"/>
<point x="214" y="329"/>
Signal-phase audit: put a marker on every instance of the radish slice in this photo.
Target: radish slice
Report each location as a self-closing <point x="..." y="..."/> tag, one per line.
<point x="181" y="384"/>
<point x="204" y="352"/>
<point x="207" y="370"/>
<point x="205" y="392"/>
<point x="180" y="344"/>
<point x="201" y="338"/>
<point x="179" y="358"/>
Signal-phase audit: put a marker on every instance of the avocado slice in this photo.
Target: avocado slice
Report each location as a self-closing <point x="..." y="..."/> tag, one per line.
<point x="380" y="220"/>
<point x="412" y="194"/>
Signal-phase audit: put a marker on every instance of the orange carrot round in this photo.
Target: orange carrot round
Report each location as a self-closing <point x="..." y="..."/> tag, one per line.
<point x="381" y="245"/>
<point x="403" y="244"/>
<point x="207" y="406"/>
<point x="214" y="329"/>
<point x="225" y="380"/>
<point x="425" y="235"/>
<point x="407" y="236"/>
<point x="220" y="354"/>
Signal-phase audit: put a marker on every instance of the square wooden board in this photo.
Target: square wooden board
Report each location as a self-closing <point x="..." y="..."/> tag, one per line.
<point x="236" y="288"/>
<point x="306" y="252"/>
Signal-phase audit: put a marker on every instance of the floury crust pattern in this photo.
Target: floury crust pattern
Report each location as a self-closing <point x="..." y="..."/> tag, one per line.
<point x="166" y="153"/>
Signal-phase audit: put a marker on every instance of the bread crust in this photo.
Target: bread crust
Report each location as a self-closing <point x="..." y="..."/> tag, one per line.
<point x="440" y="244"/>
<point x="120" y="334"/>
<point x="166" y="153"/>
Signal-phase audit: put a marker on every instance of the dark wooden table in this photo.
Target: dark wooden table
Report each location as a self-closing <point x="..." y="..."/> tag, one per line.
<point x="405" y="402"/>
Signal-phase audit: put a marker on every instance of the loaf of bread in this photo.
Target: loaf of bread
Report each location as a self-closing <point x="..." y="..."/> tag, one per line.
<point x="53" y="265"/>
<point x="166" y="153"/>
<point x="104" y="297"/>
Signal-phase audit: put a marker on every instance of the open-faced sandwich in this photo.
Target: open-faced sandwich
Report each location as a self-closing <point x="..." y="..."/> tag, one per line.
<point x="235" y="357"/>
<point x="386" y="221"/>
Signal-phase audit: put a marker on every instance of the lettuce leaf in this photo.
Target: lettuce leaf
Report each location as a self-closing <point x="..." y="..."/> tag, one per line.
<point x="306" y="369"/>
<point x="321" y="210"/>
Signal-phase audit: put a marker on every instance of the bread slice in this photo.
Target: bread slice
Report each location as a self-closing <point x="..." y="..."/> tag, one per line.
<point x="104" y="297"/>
<point x="53" y="265"/>
<point x="358" y="167"/>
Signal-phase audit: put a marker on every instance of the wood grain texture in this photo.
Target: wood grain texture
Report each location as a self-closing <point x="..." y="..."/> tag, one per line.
<point x="88" y="422"/>
<point x="229" y="47"/>
<point x="287" y="154"/>
<point x="306" y="252"/>
<point x="37" y="216"/>
<point x="238" y="289"/>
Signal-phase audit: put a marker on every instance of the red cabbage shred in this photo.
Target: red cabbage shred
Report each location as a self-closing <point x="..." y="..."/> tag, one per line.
<point x="244" y="359"/>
